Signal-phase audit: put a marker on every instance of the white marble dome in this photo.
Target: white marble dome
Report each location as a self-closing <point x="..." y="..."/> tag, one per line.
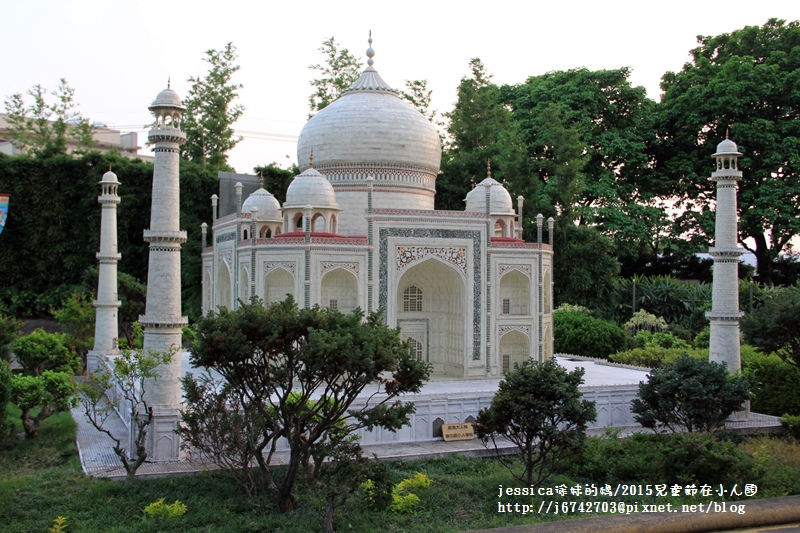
<point x="168" y="98"/>
<point x="310" y="188"/>
<point x="727" y="147"/>
<point x="499" y="200"/>
<point x="110" y="177"/>
<point x="267" y="204"/>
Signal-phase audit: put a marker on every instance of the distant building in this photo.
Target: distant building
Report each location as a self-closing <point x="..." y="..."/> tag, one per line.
<point x="106" y="139"/>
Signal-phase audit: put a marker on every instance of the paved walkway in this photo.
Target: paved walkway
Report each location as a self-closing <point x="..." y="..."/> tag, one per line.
<point x="98" y="458"/>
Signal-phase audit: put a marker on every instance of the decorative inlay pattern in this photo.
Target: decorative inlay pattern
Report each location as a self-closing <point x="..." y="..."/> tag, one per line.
<point x="429" y="214"/>
<point x="225" y="237"/>
<point x="407" y="255"/>
<point x="330" y="265"/>
<point x="530" y="245"/>
<point x="521" y="328"/>
<point x="269" y="266"/>
<point x="525" y="269"/>
<point x="477" y="278"/>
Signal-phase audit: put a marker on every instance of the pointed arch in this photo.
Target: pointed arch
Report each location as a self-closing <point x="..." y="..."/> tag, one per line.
<point x="514" y="350"/>
<point x="515" y="294"/>
<point x="277" y="284"/>
<point x="339" y="290"/>
<point x="224" y="286"/>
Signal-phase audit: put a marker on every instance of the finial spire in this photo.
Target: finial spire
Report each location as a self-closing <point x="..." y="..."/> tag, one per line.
<point x="311" y="159"/>
<point x="169" y="81"/>
<point x="370" y="51"/>
<point x="489" y="168"/>
<point x="261" y="180"/>
<point x="728" y="133"/>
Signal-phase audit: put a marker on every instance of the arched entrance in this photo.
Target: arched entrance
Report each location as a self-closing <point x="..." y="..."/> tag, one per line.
<point x="514" y="350"/>
<point x="339" y="290"/>
<point x="431" y="308"/>
<point x="224" y="286"/>
<point x="277" y="284"/>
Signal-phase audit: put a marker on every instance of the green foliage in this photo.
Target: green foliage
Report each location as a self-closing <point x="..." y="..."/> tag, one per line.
<point x="9" y="331"/>
<point x="690" y="395"/>
<point x="59" y="525"/>
<point x="643" y="320"/>
<point x="132" y="294"/>
<point x="655" y="356"/>
<point x="127" y="375"/>
<point x="587" y="283"/>
<point x="582" y="334"/>
<point x="774" y="383"/>
<point x="35" y="282"/>
<point x="210" y="112"/>
<point x="538" y="407"/>
<point x="403" y="500"/>
<point x="158" y="510"/>
<point x="277" y="359"/>
<point x="703" y="339"/>
<point x="695" y="458"/>
<point x="480" y="129"/>
<point x="5" y="397"/>
<point x="340" y="70"/>
<point x="76" y="317"/>
<point x="774" y="326"/>
<point x="44" y="129"/>
<point x="744" y="84"/>
<point x="41" y="351"/>
<point x="50" y="393"/>
<point x="419" y="96"/>
<point x="792" y="425"/>
<point x="645" y="339"/>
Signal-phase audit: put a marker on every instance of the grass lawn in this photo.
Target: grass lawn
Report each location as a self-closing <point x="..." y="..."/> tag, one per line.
<point x="41" y="479"/>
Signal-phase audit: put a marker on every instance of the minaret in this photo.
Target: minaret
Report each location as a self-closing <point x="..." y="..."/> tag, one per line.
<point x="162" y="321"/>
<point x="724" y="315"/>
<point x="106" y="324"/>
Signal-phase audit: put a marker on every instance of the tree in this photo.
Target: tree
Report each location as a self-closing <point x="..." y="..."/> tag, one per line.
<point x="48" y="394"/>
<point x="76" y="316"/>
<point x="418" y="95"/>
<point x="45" y="129"/>
<point x="587" y="134"/>
<point x="299" y="371"/>
<point x="340" y="70"/>
<point x="774" y="326"/>
<point x="538" y="407"/>
<point x="9" y="331"/>
<point x="746" y="85"/>
<point x="5" y="396"/>
<point x="41" y="351"/>
<point x="480" y="129"/>
<point x="277" y="179"/>
<point x="210" y="111"/>
<point x="689" y="395"/>
<point x="127" y="374"/>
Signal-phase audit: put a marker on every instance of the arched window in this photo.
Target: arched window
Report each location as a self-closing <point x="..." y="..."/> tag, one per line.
<point x="416" y="348"/>
<point x="412" y="299"/>
<point x="244" y="237"/>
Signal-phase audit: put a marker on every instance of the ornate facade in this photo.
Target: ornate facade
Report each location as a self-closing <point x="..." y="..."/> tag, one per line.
<point x="358" y="229"/>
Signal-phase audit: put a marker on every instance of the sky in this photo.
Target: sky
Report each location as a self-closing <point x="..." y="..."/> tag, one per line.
<point x="119" y="55"/>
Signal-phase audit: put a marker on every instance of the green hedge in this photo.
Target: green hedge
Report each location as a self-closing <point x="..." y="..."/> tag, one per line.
<point x="774" y="383"/>
<point x="577" y="333"/>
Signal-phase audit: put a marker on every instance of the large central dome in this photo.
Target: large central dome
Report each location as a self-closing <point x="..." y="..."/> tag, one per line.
<point x="371" y="131"/>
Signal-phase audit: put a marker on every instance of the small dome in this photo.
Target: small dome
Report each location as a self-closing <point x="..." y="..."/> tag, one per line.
<point x="110" y="177"/>
<point x="310" y="188"/>
<point x="268" y="206"/>
<point x="499" y="200"/>
<point x="167" y="98"/>
<point x="727" y="147"/>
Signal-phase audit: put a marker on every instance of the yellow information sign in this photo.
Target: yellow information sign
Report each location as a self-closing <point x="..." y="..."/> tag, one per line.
<point x="457" y="432"/>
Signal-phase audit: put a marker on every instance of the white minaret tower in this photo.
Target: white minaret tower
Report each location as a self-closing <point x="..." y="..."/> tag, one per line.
<point x="162" y="321"/>
<point x="724" y="315"/>
<point x="106" y="324"/>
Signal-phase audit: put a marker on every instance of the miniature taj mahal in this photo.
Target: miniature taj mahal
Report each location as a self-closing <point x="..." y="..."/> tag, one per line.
<point x="359" y="229"/>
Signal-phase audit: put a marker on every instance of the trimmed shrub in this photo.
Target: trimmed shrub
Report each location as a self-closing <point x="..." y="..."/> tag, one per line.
<point x="580" y="334"/>
<point x="655" y="356"/>
<point x="41" y="351"/>
<point x="646" y="339"/>
<point x="792" y="425"/>
<point x="9" y="331"/>
<point x="690" y="395"/>
<point x="774" y="383"/>
<point x="643" y="320"/>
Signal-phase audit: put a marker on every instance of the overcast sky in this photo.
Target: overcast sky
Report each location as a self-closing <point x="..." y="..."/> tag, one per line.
<point x="118" y="55"/>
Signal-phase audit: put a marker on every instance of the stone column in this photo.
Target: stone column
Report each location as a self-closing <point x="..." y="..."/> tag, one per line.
<point x="106" y="325"/>
<point x="162" y="321"/>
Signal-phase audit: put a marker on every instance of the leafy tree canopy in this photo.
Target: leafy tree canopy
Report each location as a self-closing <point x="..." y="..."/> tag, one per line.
<point x="210" y="111"/>
<point x="774" y="326"/>
<point x="301" y="370"/>
<point x="745" y="84"/>
<point x="45" y="129"/>
<point x="538" y="407"/>
<point x="340" y="69"/>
